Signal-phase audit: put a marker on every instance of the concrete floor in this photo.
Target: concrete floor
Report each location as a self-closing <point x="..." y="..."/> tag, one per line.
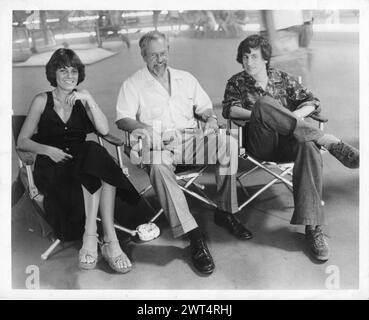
<point x="277" y="257"/>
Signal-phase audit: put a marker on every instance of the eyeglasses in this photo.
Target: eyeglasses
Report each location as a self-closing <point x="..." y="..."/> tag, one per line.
<point x="157" y="56"/>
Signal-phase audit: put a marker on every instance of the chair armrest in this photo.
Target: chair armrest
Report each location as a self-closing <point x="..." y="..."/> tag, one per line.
<point x="318" y="117"/>
<point x="111" y="139"/>
<point x="25" y="156"/>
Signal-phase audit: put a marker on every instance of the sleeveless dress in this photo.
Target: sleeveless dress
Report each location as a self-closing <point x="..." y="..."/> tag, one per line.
<point x="60" y="183"/>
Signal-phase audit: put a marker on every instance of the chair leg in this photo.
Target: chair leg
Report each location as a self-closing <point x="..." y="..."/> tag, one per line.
<point x="280" y="177"/>
<point x="244" y="190"/>
<point x="46" y="254"/>
<point x="197" y="196"/>
<point x="157" y="215"/>
<point x="264" y="188"/>
<point x="190" y="181"/>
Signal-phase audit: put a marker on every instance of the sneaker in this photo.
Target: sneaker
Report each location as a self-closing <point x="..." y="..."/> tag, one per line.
<point x="346" y="154"/>
<point x="317" y="243"/>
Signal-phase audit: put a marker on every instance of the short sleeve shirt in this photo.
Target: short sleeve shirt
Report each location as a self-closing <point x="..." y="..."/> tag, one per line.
<point x="143" y="98"/>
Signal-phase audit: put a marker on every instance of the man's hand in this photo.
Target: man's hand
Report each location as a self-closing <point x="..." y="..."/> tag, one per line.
<point x="211" y="126"/>
<point x="156" y="141"/>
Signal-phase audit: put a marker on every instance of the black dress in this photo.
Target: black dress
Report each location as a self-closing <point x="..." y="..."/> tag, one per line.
<point x="60" y="183"/>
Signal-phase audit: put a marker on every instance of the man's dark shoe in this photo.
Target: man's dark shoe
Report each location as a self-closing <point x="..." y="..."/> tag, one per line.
<point x="317" y="243"/>
<point x="232" y="224"/>
<point x="346" y="154"/>
<point x="201" y="257"/>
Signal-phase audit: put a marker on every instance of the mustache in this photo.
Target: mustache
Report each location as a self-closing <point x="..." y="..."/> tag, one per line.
<point x="157" y="65"/>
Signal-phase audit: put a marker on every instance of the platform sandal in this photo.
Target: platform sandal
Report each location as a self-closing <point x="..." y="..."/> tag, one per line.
<point x="113" y="262"/>
<point x="88" y="264"/>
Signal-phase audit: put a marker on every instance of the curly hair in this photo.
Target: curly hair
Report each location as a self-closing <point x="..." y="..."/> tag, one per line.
<point x="64" y="58"/>
<point x="255" y="41"/>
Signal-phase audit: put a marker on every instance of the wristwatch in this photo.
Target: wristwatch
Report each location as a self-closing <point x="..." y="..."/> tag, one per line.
<point x="212" y="116"/>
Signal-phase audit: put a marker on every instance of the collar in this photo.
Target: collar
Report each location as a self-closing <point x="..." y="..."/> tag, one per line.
<point x="174" y="74"/>
<point x="273" y="76"/>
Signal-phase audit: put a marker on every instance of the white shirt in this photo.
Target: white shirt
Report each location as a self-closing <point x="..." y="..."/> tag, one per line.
<point x="143" y="98"/>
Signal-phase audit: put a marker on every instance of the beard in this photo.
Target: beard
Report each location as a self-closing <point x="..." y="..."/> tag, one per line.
<point x="159" y="69"/>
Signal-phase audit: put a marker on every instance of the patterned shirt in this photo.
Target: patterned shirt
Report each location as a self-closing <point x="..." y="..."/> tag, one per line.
<point x="243" y="91"/>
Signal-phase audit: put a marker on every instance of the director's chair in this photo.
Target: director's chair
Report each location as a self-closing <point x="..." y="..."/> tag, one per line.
<point x="279" y="171"/>
<point x="26" y="161"/>
<point x="186" y="174"/>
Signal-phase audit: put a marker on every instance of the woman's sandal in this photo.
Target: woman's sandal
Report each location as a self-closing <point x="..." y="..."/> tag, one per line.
<point x="84" y="253"/>
<point x="114" y="262"/>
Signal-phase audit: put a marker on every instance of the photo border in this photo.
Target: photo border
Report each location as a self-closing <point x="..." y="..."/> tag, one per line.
<point x="6" y="292"/>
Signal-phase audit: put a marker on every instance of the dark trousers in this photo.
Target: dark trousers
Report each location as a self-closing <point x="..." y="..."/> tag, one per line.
<point x="276" y="134"/>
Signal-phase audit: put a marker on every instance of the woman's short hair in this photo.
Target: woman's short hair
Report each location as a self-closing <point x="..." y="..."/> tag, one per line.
<point x="148" y="37"/>
<point x="255" y="41"/>
<point x="62" y="58"/>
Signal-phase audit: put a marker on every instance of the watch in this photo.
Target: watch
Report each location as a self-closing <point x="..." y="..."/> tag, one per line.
<point x="212" y="116"/>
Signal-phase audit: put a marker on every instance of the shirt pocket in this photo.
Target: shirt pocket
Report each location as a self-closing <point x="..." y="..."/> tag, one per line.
<point x="152" y="107"/>
<point x="156" y="111"/>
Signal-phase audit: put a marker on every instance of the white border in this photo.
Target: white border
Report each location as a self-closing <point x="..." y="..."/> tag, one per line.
<point x="5" y="149"/>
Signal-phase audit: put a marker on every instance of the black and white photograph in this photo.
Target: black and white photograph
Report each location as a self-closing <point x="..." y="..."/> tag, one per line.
<point x="193" y="150"/>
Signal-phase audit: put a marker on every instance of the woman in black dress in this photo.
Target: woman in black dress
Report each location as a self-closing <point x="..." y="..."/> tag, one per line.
<point x="76" y="176"/>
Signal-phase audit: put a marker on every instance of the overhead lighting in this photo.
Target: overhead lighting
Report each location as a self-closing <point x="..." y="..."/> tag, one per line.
<point x="20" y="40"/>
<point x="74" y="35"/>
<point x="86" y="18"/>
<point x="53" y="20"/>
<point x="137" y="14"/>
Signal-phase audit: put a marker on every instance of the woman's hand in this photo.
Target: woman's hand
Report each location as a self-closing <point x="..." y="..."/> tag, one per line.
<point x="82" y="95"/>
<point x="56" y="154"/>
<point x="96" y="116"/>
